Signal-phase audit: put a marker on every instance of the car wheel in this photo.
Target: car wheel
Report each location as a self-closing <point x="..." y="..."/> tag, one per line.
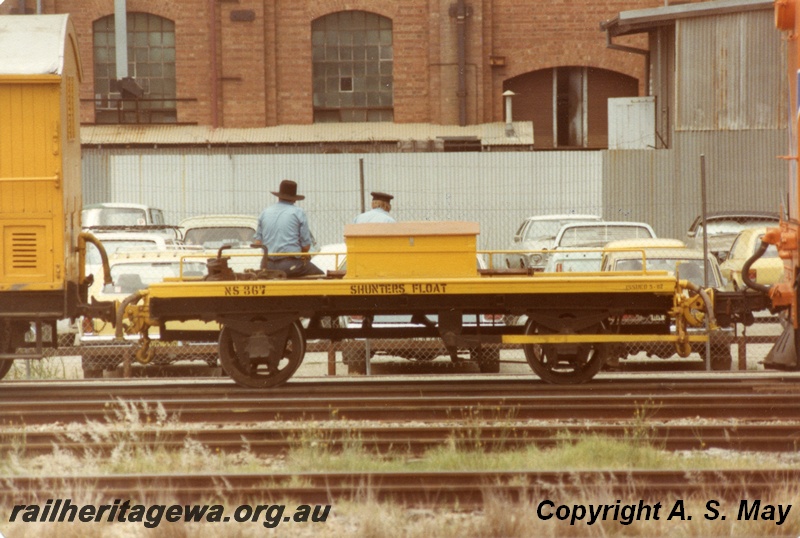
<point x="92" y="373"/>
<point x="721" y="359"/>
<point x="92" y="368"/>
<point x="354" y="359"/>
<point x="488" y="359"/>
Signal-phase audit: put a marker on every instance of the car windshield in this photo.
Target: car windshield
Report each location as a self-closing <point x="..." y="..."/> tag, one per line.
<point x="543" y="229"/>
<point x="132" y="277"/>
<point x="157" y="216"/>
<point x="113" y="245"/>
<point x="597" y="236"/>
<point x="771" y="252"/>
<point x="688" y="269"/>
<point x="215" y="237"/>
<point x="716" y="227"/>
<point x="114" y="216"/>
<point x="570" y="265"/>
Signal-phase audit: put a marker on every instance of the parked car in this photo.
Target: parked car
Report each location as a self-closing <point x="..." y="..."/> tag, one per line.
<point x="354" y="352"/>
<point x="213" y="231"/>
<point x="627" y="254"/>
<point x="330" y="257"/>
<point x="574" y="261"/>
<point x="536" y="234"/>
<point x="723" y="227"/>
<point x="598" y="234"/>
<point x="116" y="241"/>
<point x="583" y="235"/>
<point x="767" y="270"/>
<point x="131" y="272"/>
<point x="669" y="255"/>
<point x="210" y="232"/>
<point x="121" y="214"/>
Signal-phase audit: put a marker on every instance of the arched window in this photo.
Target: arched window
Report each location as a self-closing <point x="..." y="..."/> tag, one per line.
<point x="352" y="55"/>
<point x="568" y="105"/>
<point x="151" y="63"/>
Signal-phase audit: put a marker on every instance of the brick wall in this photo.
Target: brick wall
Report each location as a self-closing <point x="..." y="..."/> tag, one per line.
<point x="263" y="66"/>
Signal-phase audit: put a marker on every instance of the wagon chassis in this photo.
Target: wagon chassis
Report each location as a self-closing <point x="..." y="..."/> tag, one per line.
<point x="570" y="320"/>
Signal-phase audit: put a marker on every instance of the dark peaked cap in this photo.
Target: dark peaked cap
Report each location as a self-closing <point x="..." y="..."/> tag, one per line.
<point x="382" y="196"/>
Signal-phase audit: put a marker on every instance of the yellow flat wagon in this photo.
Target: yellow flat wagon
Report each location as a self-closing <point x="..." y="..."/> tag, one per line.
<point x="425" y="270"/>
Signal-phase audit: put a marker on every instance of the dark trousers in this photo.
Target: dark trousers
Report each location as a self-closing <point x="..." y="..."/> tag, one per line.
<point x="293" y="267"/>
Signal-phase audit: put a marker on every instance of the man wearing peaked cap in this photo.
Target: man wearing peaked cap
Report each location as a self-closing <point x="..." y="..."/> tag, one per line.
<point x="381" y="205"/>
<point x="283" y="227"/>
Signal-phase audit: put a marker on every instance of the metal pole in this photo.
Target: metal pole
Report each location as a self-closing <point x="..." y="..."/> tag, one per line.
<point x="705" y="250"/>
<point x="361" y="182"/>
<point x="367" y="353"/>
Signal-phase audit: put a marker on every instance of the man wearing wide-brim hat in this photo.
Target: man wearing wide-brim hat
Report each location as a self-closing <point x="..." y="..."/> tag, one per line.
<point x="381" y="205"/>
<point x="283" y="228"/>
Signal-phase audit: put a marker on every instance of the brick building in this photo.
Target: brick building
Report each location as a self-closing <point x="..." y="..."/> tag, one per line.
<point x="261" y="63"/>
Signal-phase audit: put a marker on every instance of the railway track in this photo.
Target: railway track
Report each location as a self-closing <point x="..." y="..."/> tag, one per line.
<point x="740" y="397"/>
<point x="385" y="439"/>
<point x="629" y="383"/>
<point x="386" y="416"/>
<point x="464" y="489"/>
<point x="681" y="413"/>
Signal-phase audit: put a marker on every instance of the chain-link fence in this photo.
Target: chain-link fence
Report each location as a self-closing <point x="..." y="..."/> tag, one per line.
<point x="748" y="347"/>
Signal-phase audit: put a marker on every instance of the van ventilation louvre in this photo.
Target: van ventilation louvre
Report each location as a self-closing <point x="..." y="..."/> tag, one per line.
<point x="24" y="249"/>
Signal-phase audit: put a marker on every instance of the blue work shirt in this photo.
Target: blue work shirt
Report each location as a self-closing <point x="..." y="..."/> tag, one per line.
<point x="377" y="214"/>
<point x="283" y="227"/>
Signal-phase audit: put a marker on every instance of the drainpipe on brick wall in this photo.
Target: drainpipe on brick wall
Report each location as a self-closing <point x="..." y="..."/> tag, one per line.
<point x="212" y="23"/>
<point x="507" y="95"/>
<point x="460" y="11"/>
<point x="121" y="38"/>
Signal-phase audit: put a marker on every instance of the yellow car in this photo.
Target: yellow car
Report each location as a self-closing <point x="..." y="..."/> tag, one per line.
<point x="687" y="264"/>
<point x="767" y="270"/>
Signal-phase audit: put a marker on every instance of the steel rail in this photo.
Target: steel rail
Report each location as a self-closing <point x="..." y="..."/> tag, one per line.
<point x="178" y="389"/>
<point x="754" y="406"/>
<point x="464" y="489"/>
<point x="415" y="440"/>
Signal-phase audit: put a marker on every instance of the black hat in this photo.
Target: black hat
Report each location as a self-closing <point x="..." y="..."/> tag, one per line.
<point x="382" y="196"/>
<point x="288" y="191"/>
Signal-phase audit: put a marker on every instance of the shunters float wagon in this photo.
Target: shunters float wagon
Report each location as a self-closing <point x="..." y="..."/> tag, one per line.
<point x="425" y="270"/>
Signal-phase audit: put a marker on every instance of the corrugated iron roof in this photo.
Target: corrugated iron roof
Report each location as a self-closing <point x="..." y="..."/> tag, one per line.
<point x="490" y="134"/>
<point x="640" y="20"/>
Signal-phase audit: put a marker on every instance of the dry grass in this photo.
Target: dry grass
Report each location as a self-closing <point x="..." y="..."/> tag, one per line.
<point x="126" y="425"/>
<point x="56" y="367"/>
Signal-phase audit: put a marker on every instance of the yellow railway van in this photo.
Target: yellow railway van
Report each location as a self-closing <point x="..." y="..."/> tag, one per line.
<point x="41" y="269"/>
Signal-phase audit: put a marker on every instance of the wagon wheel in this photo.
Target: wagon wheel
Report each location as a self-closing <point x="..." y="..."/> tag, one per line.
<point x="562" y="367"/>
<point x="262" y="371"/>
